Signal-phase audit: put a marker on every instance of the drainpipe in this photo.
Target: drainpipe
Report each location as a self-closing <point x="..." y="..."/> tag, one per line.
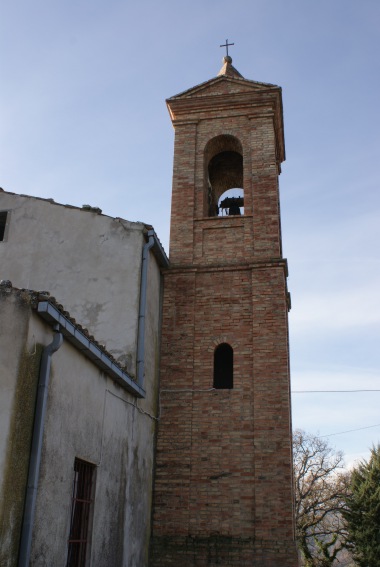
<point x="35" y="456"/>
<point x="142" y="309"/>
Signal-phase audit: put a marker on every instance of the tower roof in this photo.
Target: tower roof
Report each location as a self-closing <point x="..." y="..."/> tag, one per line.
<point x="228" y="70"/>
<point x="228" y="73"/>
<point x="230" y="92"/>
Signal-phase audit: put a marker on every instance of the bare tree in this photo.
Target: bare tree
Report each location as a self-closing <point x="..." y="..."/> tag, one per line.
<point x="320" y="486"/>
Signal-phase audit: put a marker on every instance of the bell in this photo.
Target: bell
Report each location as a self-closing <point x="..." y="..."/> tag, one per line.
<point x="233" y="205"/>
<point x="234" y="210"/>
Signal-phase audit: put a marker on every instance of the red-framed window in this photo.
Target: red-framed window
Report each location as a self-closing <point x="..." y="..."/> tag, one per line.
<point x="81" y="508"/>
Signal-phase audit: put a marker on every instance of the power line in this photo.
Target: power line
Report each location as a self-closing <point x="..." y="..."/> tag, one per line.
<point x="351" y="430"/>
<point x="330" y="391"/>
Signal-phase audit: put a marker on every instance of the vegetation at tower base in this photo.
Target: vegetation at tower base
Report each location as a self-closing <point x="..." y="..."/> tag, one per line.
<point x="363" y="514"/>
<point x="321" y="488"/>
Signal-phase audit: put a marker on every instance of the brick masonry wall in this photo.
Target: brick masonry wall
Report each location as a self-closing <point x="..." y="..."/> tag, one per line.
<point x="223" y="456"/>
<point x="223" y="487"/>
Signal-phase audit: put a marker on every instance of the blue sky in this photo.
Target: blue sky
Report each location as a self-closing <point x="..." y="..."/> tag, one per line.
<point x="84" y="121"/>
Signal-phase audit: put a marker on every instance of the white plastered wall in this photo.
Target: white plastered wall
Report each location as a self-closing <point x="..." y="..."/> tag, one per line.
<point x="91" y="263"/>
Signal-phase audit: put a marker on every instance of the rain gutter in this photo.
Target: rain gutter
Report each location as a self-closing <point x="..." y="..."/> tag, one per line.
<point x="153" y="244"/>
<point x="36" y="450"/>
<point x="89" y="348"/>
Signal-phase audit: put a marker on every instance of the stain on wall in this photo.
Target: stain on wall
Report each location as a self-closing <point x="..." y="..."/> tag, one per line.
<point x="17" y="456"/>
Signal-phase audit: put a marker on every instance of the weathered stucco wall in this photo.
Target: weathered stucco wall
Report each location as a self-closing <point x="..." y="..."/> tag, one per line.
<point x="89" y="417"/>
<point x="19" y="365"/>
<point x="90" y="262"/>
<point x="92" y="265"/>
<point x="92" y="418"/>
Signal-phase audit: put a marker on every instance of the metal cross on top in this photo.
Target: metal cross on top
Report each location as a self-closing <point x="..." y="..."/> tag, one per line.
<point x="226" y="45"/>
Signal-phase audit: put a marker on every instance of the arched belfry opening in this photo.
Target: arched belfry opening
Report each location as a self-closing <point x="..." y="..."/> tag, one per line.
<point x="223" y="159"/>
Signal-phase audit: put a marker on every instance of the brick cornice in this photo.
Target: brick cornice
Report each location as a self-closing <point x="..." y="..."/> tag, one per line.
<point x="185" y="122"/>
<point x="244" y="100"/>
<point x="255" y="265"/>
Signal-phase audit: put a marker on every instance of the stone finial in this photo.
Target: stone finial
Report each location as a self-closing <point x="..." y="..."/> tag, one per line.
<point x="228" y="70"/>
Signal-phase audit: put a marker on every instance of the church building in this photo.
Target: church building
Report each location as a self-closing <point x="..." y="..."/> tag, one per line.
<point x="163" y="437"/>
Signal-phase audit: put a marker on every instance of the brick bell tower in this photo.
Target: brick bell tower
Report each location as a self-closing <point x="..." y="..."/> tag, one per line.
<point x="223" y="488"/>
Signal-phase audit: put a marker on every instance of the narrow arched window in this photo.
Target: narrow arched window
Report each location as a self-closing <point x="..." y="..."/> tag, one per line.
<point x="223" y="367"/>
